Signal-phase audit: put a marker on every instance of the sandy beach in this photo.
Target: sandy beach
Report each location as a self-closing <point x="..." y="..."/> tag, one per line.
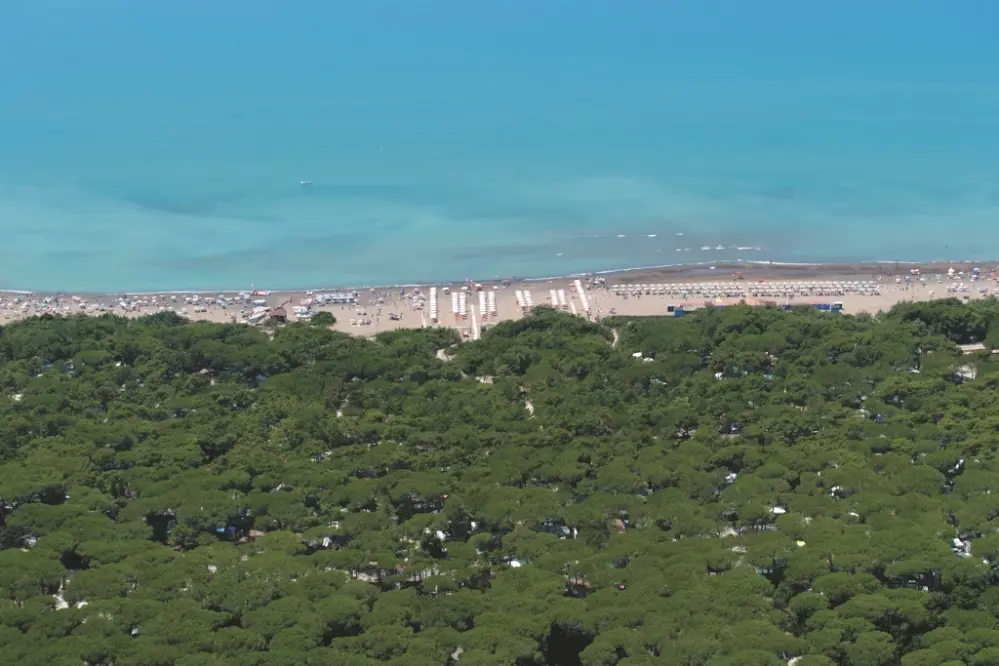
<point x="474" y="306"/>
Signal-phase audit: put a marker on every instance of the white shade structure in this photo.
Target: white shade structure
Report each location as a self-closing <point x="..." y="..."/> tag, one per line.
<point x="434" y="313"/>
<point x="582" y="295"/>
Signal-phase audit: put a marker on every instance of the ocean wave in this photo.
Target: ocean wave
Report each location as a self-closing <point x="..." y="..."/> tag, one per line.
<point x="86" y="241"/>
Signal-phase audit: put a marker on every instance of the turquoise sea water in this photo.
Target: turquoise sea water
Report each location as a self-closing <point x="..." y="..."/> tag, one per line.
<point x="161" y="145"/>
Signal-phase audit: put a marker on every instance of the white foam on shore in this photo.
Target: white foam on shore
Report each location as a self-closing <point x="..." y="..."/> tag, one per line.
<point x="693" y="266"/>
<point x="787" y="263"/>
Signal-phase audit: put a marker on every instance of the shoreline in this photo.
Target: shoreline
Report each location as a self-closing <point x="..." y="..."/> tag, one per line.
<point x="680" y="272"/>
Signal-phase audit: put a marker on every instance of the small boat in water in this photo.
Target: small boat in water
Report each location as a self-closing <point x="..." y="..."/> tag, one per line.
<point x="306" y="182"/>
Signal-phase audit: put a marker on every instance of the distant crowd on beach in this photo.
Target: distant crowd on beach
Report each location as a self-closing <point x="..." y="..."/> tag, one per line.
<point x="472" y="307"/>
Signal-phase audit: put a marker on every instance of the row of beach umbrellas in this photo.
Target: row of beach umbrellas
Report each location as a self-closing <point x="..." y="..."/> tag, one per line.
<point x="736" y="288"/>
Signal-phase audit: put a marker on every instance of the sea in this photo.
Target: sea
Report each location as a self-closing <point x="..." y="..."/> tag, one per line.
<point x="192" y="145"/>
